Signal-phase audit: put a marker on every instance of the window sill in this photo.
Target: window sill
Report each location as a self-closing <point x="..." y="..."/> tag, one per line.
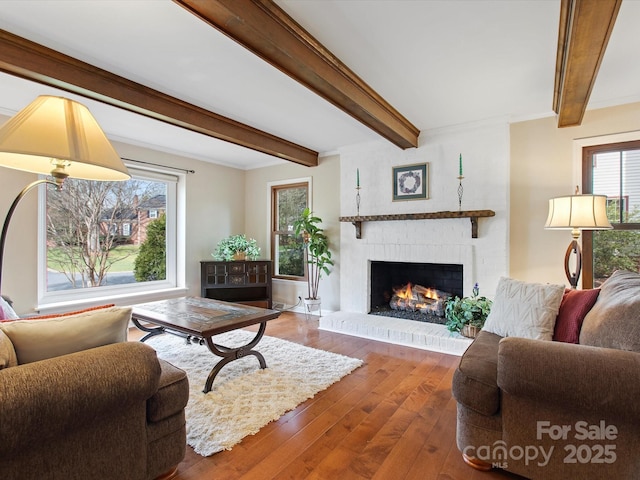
<point x="118" y="299"/>
<point x="289" y="280"/>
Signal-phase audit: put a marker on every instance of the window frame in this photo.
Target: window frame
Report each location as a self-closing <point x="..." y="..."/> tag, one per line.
<point x="587" y="187"/>
<point x="175" y="212"/>
<point x="273" y="188"/>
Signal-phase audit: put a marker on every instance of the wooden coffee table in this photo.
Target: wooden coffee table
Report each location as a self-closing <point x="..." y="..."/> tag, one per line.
<point x="198" y="319"/>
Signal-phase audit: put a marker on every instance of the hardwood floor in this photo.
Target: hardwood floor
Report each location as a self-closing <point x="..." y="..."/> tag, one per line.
<point x="394" y="418"/>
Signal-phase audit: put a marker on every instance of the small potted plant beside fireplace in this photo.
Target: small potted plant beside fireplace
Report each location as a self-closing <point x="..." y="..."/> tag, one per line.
<point x="318" y="255"/>
<point x="467" y="315"/>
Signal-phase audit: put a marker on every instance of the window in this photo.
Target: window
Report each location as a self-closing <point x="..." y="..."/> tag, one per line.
<point x="617" y="204"/>
<point x="153" y="213"/>
<point x="612" y="170"/>
<point x="287" y="249"/>
<point x="93" y="235"/>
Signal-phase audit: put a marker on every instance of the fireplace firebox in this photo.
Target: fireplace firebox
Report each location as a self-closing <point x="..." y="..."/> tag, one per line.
<point x="392" y="279"/>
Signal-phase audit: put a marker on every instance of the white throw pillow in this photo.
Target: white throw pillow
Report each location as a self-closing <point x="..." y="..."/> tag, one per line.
<point x="38" y="339"/>
<point x="526" y="310"/>
<point x="7" y="311"/>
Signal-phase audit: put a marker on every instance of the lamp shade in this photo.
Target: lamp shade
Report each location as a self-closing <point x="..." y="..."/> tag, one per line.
<point x="59" y="133"/>
<point x="578" y="212"/>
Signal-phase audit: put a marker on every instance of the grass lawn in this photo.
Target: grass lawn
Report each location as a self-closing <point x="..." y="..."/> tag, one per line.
<point x="122" y="257"/>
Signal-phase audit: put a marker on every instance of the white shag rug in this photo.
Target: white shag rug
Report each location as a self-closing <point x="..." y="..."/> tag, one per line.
<point x="244" y="398"/>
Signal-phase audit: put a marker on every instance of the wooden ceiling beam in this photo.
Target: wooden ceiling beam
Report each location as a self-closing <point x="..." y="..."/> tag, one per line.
<point x="266" y="30"/>
<point x="584" y="31"/>
<point x="29" y="60"/>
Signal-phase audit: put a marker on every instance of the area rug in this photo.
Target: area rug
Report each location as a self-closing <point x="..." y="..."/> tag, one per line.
<point x="244" y="398"/>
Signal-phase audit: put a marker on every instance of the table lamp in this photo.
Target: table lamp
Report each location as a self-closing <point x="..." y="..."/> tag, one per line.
<point x="59" y="137"/>
<point x="576" y="213"/>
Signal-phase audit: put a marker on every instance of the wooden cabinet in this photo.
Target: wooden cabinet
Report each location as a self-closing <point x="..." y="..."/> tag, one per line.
<point x="247" y="282"/>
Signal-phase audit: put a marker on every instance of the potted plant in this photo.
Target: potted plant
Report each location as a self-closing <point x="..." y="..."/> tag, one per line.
<point x="318" y="254"/>
<point x="236" y="247"/>
<point x="467" y="315"/>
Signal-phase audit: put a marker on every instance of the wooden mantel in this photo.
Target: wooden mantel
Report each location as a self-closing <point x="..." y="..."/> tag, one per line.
<point x="471" y="214"/>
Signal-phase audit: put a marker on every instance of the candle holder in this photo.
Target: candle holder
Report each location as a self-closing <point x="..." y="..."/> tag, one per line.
<point x="358" y="200"/>
<point x="460" y="192"/>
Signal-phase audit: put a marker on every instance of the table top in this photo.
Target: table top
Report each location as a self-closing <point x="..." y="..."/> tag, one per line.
<point x="201" y="316"/>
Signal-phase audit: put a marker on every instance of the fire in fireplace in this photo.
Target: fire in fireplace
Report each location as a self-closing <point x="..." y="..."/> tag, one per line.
<point x="416" y="298"/>
<point x="414" y="291"/>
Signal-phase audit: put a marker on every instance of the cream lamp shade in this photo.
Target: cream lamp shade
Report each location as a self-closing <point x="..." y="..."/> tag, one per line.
<point x="578" y="212"/>
<point x="58" y="136"/>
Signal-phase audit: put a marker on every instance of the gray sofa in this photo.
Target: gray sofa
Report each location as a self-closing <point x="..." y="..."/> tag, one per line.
<point x="554" y="410"/>
<point x="110" y="411"/>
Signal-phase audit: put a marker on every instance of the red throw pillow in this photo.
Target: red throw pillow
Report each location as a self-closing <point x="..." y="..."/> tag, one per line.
<point x="574" y="307"/>
<point x="66" y="314"/>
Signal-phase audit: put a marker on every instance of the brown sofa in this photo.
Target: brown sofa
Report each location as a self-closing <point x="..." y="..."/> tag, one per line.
<point x="554" y="410"/>
<point x="110" y="411"/>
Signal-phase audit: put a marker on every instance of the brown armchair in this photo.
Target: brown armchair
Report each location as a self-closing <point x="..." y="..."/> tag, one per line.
<point x="111" y="412"/>
<point x="554" y="410"/>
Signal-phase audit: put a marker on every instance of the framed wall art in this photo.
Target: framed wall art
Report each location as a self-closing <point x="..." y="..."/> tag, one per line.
<point x="411" y="182"/>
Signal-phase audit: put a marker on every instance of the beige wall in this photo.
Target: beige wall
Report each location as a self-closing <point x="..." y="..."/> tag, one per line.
<point x="214" y="205"/>
<point x="221" y="201"/>
<point x="20" y="256"/>
<point x="326" y="204"/>
<point x="542" y="167"/>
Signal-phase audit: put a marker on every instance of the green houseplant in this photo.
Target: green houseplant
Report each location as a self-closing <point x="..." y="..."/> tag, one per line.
<point x="467" y="315"/>
<point x="236" y="247"/>
<point x="317" y="246"/>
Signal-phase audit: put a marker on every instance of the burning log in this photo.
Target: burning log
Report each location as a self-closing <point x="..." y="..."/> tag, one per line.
<point x="418" y="298"/>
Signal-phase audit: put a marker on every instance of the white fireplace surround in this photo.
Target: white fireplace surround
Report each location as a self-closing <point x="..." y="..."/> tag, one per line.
<point x="358" y="299"/>
<point x="485" y="150"/>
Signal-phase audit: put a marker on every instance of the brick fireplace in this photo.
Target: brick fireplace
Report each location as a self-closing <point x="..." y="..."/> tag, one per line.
<point x="485" y="148"/>
<point x="446" y="241"/>
<point x="356" y="275"/>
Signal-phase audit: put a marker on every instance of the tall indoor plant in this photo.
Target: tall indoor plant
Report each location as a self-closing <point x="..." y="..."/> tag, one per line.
<point x="317" y="247"/>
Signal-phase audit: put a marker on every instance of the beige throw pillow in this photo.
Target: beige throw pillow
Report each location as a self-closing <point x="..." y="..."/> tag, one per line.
<point x="7" y="352"/>
<point x="526" y="310"/>
<point x="35" y="340"/>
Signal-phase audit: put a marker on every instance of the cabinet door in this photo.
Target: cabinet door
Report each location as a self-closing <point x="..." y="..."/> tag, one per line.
<point x="236" y="274"/>
<point x="215" y="274"/>
<point x="258" y="272"/>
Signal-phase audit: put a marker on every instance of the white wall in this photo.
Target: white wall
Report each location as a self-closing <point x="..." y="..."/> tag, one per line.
<point x="485" y="151"/>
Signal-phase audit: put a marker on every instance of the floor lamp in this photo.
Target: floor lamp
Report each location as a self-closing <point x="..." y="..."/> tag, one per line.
<point x="576" y="213"/>
<point x="58" y="137"/>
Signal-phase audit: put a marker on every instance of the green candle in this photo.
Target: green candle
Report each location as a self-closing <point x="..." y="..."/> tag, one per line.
<point x="357" y="177"/>
<point x="460" y="164"/>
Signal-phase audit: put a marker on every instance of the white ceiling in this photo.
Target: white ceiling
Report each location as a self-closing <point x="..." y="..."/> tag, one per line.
<point x="439" y="62"/>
